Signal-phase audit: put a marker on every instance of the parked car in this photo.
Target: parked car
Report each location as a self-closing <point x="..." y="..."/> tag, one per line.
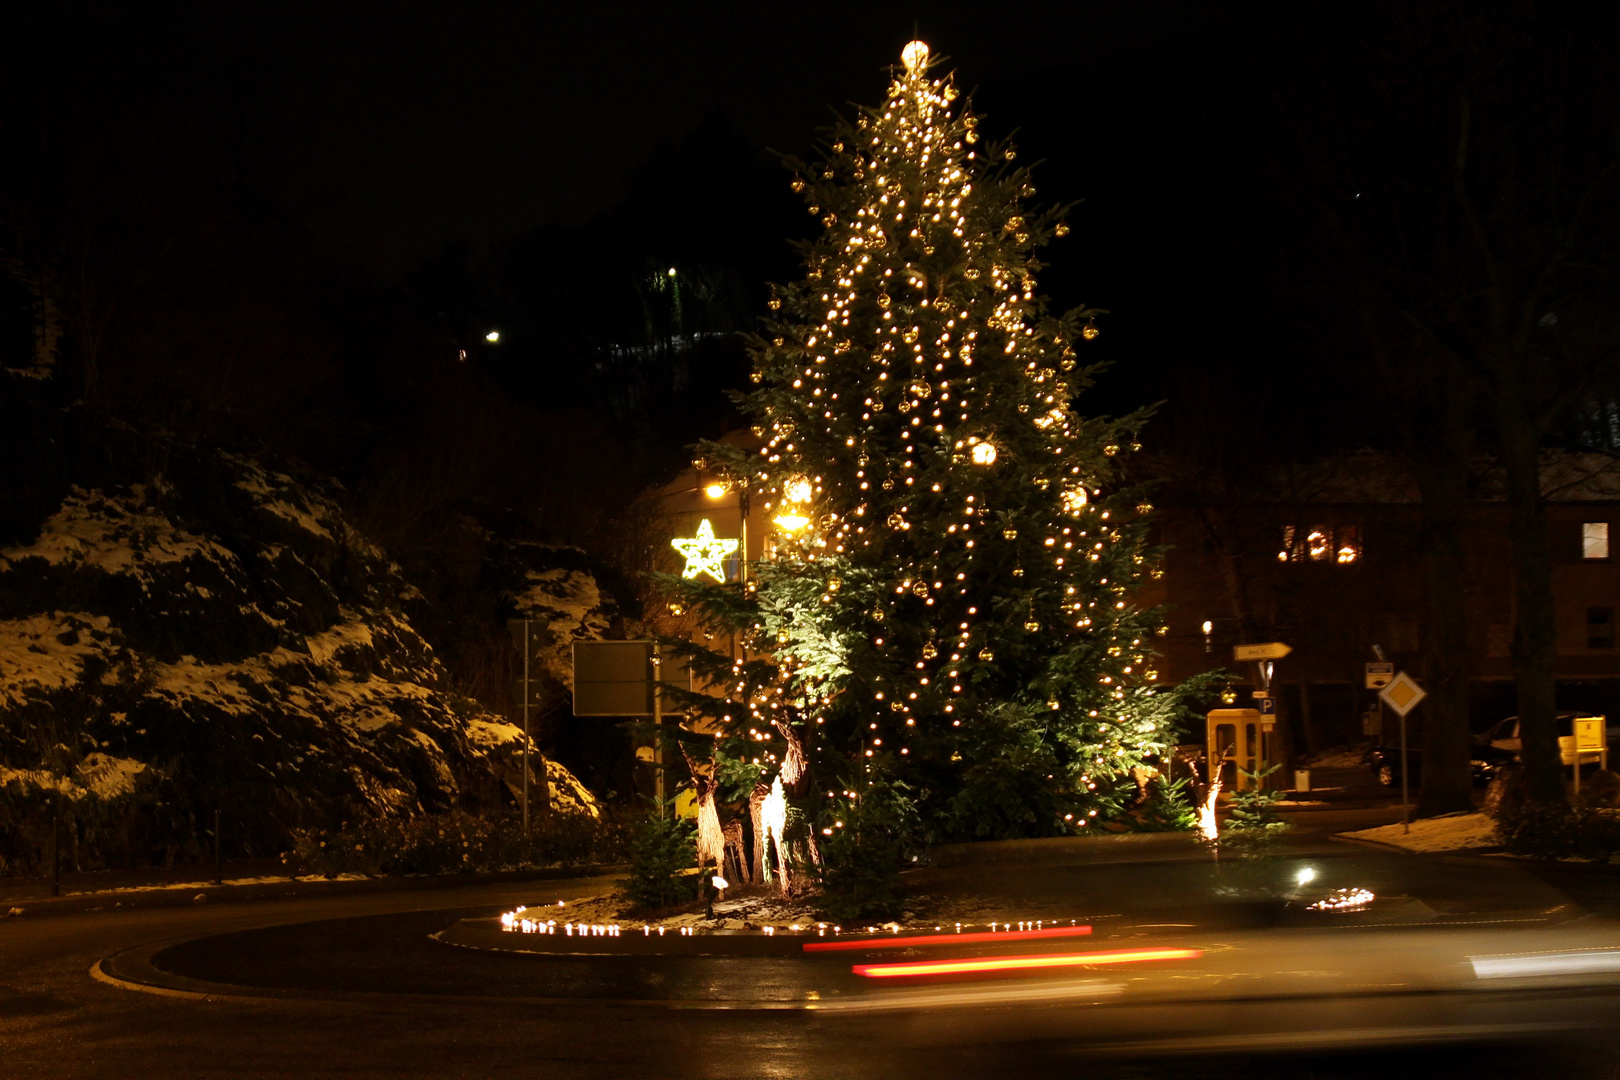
<point x="1505" y="736"/>
<point x="1385" y="762"/>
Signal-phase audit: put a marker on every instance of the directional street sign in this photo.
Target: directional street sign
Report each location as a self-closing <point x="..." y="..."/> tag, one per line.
<point x="1271" y="650"/>
<point x="1402" y="694"/>
<point x="1380" y="675"/>
<point x="617" y="678"/>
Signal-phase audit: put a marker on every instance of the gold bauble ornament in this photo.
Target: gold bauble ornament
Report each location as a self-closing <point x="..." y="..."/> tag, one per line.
<point x="986" y="654"/>
<point x="1009" y="533"/>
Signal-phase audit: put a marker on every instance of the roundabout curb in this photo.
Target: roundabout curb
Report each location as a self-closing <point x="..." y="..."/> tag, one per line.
<point x="133" y="970"/>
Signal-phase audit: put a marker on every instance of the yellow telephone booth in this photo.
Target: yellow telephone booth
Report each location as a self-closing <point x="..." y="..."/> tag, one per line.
<point x="1240" y="742"/>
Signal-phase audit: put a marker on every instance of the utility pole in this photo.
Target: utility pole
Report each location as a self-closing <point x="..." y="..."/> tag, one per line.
<point x="658" y="725"/>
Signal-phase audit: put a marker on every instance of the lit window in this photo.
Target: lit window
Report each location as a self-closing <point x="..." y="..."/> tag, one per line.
<point x="1595" y="540"/>
<point x="1324" y="543"/>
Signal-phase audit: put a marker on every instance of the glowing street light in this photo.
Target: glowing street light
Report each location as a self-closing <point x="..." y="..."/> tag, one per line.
<point x="493" y="336"/>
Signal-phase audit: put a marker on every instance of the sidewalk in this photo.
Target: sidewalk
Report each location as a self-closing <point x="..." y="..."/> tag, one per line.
<point x="245" y="880"/>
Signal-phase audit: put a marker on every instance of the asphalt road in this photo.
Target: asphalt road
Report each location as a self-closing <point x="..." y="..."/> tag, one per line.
<point x="419" y="1014"/>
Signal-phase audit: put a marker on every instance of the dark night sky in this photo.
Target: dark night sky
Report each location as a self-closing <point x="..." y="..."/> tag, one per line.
<point x="352" y="144"/>
<point x="389" y="128"/>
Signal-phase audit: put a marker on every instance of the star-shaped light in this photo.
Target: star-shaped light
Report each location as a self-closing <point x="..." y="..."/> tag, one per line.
<point x="704" y="552"/>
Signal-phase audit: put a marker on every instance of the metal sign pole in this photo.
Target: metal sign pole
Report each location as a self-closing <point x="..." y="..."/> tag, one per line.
<point x="525" y="729"/>
<point x="1406" y="802"/>
<point x="658" y="733"/>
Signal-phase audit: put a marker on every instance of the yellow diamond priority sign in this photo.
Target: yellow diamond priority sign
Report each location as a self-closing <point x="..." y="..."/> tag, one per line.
<point x="1402" y="694"/>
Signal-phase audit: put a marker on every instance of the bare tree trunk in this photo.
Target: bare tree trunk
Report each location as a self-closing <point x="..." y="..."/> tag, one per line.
<point x="1447" y="779"/>
<point x="1535" y="632"/>
<point x="1313" y="737"/>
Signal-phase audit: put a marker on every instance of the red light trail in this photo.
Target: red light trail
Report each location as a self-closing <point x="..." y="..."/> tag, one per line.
<point x="1021" y="963"/>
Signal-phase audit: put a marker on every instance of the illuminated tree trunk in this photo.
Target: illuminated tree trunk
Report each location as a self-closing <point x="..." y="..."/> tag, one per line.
<point x="795" y="778"/>
<point x="711" y="839"/>
<point x="756" y="803"/>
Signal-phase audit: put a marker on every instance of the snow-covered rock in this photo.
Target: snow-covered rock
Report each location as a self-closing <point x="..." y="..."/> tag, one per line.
<point x="224" y="638"/>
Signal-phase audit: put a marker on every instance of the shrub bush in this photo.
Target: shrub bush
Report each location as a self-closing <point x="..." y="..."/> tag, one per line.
<point x="1169" y="808"/>
<point x="1252" y="826"/>
<point x="662" y="850"/>
<point x="453" y="842"/>
<point x="1538" y="830"/>
<point x="866" y="840"/>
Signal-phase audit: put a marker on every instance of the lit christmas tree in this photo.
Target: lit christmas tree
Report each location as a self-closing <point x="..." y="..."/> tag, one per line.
<point x="955" y="608"/>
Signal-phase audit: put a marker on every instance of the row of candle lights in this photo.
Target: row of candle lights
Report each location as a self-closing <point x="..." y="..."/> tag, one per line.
<point x="516" y="922"/>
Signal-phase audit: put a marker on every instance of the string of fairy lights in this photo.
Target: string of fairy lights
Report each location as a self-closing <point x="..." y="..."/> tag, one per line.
<point x="887" y="384"/>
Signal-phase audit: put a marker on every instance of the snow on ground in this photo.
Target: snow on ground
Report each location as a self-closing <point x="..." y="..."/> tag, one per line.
<point x="762" y="907"/>
<point x="1337" y="757"/>
<point x="1452" y="832"/>
<point x="176" y="886"/>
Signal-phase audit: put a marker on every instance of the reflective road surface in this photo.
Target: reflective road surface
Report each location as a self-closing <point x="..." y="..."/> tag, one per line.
<point x="1193" y="970"/>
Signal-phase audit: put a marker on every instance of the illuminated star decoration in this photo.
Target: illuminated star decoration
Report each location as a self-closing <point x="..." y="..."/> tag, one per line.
<point x="704" y="552"/>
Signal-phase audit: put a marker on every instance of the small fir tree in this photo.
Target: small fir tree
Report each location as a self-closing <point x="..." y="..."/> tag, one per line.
<point x="956" y="552"/>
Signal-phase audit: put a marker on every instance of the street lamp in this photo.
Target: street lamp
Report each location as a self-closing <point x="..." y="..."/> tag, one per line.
<point x="795" y="491"/>
<point x="718" y="490"/>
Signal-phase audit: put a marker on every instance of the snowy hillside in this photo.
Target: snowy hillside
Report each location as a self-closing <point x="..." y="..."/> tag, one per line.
<point x="224" y="639"/>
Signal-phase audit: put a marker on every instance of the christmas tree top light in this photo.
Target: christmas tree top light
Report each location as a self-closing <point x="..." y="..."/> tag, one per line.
<point x="915" y="57"/>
